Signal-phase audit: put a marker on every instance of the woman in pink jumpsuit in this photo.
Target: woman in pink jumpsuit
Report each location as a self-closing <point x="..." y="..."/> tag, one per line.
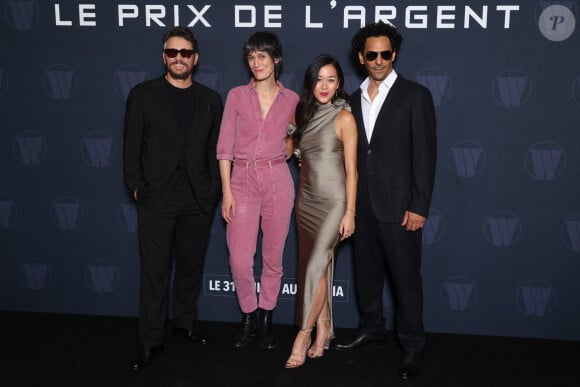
<point x="257" y="186"/>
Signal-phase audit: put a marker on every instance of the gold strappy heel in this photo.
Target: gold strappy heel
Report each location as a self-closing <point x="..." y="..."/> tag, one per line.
<point x="317" y="350"/>
<point x="297" y="359"/>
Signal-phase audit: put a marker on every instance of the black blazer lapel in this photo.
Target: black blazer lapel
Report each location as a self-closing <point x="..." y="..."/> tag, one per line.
<point x="199" y="114"/>
<point x="387" y="110"/>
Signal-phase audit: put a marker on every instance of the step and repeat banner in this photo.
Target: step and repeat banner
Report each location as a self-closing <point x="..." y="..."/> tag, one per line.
<point x="502" y="242"/>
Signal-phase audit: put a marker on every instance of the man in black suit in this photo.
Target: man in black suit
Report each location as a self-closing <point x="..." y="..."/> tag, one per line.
<point x="170" y="135"/>
<point x="396" y="165"/>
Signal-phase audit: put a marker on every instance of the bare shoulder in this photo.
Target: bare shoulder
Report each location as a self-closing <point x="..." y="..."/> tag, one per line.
<point x="345" y="125"/>
<point x="345" y="118"/>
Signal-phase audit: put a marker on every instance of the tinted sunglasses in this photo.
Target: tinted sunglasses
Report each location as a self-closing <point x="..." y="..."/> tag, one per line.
<point x="172" y="52"/>
<point x="372" y="55"/>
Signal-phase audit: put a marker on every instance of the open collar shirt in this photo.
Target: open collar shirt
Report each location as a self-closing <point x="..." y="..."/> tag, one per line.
<point x="245" y="134"/>
<point x="371" y="110"/>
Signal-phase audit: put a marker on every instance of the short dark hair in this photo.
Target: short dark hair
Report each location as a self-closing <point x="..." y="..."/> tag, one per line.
<point x="376" y="30"/>
<point x="268" y="42"/>
<point x="181" y="32"/>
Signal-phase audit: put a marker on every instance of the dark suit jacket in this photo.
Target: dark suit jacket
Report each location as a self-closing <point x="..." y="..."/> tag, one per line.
<point x="397" y="167"/>
<point x="154" y="143"/>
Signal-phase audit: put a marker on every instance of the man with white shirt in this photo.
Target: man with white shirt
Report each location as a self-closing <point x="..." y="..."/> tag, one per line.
<point x="397" y="149"/>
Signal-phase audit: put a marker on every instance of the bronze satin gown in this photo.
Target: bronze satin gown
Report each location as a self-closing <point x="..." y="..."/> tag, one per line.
<point x="320" y="206"/>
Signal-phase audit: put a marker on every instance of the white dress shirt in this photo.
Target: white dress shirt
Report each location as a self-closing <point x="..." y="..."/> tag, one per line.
<point x="370" y="110"/>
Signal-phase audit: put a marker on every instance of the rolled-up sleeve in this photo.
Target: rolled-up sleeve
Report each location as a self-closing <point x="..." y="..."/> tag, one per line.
<point x="246" y="134"/>
<point x="227" y="137"/>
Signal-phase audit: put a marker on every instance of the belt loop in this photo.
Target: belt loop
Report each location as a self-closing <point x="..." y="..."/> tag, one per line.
<point x="260" y="163"/>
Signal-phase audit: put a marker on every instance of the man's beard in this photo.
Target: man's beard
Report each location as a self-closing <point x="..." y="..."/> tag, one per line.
<point x="174" y="75"/>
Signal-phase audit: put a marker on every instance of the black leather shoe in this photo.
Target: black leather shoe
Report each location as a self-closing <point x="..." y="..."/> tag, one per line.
<point x="267" y="340"/>
<point x="190" y="335"/>
<point x="144" y="357"/>
<point x="411" y="364"/>
<point x="249" y="329"/>
<point x="359" y="341"/>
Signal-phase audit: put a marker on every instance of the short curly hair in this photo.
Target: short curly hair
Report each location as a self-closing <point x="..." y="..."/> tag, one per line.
<point x="375" y="30"/>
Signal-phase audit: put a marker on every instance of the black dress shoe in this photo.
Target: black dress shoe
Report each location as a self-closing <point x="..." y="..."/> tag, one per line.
<point x="359" y="341"/>
<point x="411" y="364"/>
<point x="144" y="357"/>
<point x="190" y="335"/>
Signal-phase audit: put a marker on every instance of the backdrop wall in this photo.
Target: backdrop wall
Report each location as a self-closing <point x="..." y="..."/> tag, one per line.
<point x="502" y="242"/>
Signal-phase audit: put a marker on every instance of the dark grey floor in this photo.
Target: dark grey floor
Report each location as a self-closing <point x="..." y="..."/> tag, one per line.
<point x="69" y="350"/>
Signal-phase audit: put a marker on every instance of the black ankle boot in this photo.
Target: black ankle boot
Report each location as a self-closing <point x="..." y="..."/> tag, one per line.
<point x="249" y="329"/>
<point x="267" y="341"/>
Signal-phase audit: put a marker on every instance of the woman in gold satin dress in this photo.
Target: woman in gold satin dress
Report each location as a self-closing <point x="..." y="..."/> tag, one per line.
<point x="326" y="138"/>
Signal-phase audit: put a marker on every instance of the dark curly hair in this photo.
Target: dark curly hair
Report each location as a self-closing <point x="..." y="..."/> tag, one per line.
<point x="375" y="30"/>
<point x="307" y="105"/>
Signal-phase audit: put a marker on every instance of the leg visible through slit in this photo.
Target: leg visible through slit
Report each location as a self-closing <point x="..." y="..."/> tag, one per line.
<point x="320" y="314"/>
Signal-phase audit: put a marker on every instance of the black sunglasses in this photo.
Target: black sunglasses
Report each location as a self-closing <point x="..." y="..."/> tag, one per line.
<point x="372" y="55"/>
<point x="172" y="52"/>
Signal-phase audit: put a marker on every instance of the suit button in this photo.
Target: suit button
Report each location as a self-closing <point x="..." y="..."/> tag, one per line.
<point x="369" y="151"/>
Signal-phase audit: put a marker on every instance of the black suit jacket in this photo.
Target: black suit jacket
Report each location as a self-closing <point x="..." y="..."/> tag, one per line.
<point x="397" y="167"/>
<point x="154" y="144"/>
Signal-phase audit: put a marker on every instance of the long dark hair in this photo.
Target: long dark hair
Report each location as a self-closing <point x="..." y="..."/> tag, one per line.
<point x="307" y="104"/>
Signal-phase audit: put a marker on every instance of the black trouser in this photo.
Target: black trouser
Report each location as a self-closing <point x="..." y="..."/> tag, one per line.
<point x="381" y="248"/>
<point x="180" y="228"/>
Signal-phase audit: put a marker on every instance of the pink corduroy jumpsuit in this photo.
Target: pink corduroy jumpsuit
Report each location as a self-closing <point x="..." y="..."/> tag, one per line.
<point x="262" y="187"/>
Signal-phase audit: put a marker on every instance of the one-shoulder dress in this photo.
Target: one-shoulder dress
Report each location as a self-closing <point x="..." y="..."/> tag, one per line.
<point x="320" y="206"/>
